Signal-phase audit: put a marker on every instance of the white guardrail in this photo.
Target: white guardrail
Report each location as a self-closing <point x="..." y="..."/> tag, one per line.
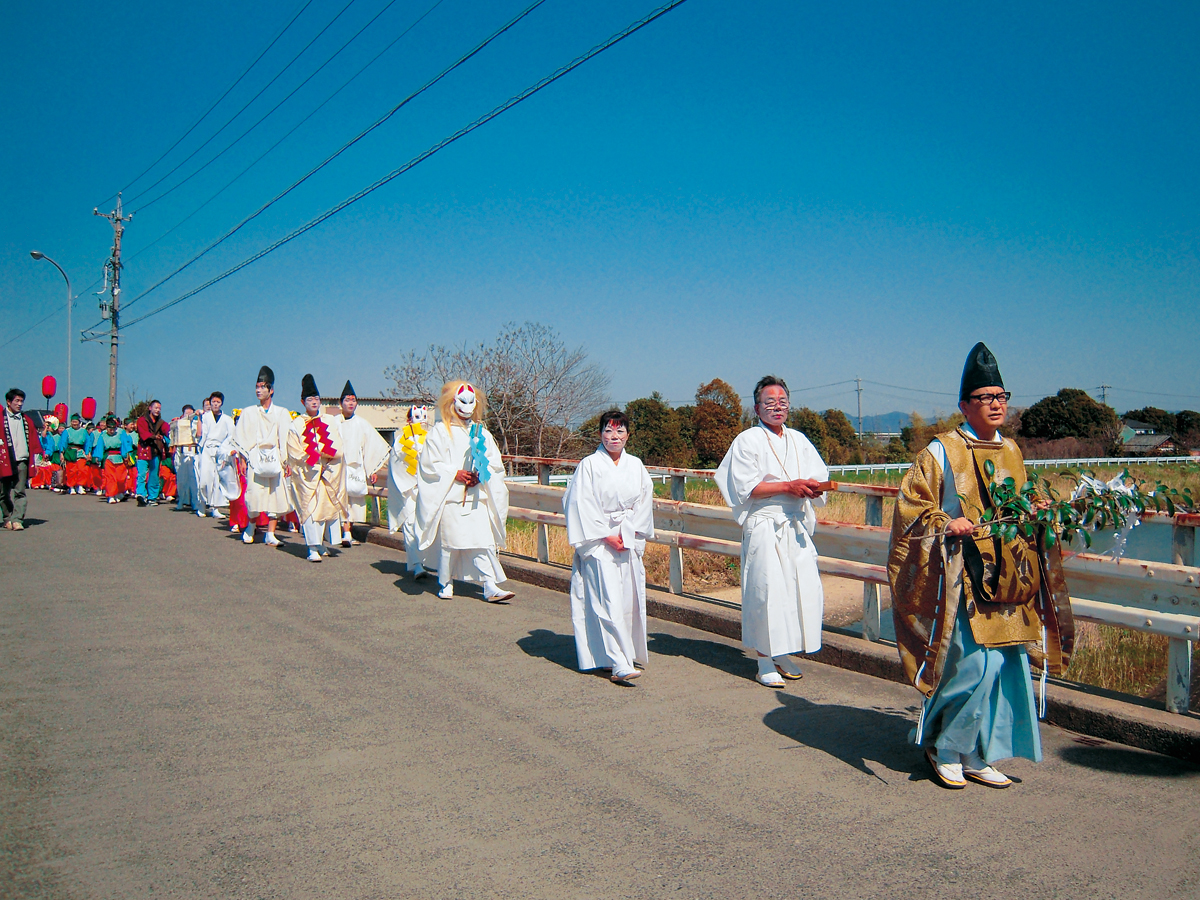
<point x="1082" y="463"/>
<point x="1154" y="597"/>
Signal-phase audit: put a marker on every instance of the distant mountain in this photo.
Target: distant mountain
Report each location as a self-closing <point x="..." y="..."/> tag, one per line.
<point x="888" y="423"/>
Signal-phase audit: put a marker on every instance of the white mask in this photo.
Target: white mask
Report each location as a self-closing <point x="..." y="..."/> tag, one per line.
<point x="464" y="401"/>
<point x="419" y="415"/>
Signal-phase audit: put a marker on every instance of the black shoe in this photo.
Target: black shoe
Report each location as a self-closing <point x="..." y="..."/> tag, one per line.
<point x="141" y="501"/>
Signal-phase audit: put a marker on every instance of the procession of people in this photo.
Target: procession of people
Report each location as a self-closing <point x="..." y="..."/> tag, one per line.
<point x="969" y="608"/>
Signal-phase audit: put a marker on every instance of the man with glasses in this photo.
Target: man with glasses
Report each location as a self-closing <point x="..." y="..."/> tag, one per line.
<point x="966" y="604"/>
<point x="772" y="476"/>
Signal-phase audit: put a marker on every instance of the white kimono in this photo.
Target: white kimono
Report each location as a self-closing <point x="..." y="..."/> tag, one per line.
<point x="183" y="448"/>
<point x="218" y="478"/>
<point x="461" y="527"/>
<point x="261" y="438"/>
<point x="402" y="496"/>
<point x="782" y="598"/>
<point x="365" y="453"/>
<point x="608" y="587"/>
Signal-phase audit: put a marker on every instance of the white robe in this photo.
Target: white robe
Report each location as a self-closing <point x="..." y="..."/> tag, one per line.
<point x="402" y="503"/>
<point x="259" y="428"/>
<point x="365" y="453"/>
<point x="782" y="598"/>
<point x="218" y="478"/>
<point x="183" y="447"/>
<point x="461" y="527"/>
<point x="608" y="587"/>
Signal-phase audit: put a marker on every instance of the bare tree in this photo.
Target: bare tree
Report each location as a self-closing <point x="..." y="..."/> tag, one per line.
<point x="538" y="390"/>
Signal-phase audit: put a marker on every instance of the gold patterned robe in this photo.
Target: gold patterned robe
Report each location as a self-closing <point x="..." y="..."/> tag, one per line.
<point x="314" y="452"/>
<point x="1015" y="591"/>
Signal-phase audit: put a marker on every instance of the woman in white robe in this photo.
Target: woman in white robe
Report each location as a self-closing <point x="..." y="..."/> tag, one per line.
<point x="610" y="514"/>
<point x="462" y="500"/>
<point x="771" y="477"/>
<point x="215" y="464"/>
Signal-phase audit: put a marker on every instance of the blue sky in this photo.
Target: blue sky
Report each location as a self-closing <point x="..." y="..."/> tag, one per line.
<point x="821" y="191"/>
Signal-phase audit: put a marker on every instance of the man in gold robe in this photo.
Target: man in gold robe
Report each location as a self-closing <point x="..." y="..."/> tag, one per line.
<point x="969" y="608"/>
<point x="315" y="460"/>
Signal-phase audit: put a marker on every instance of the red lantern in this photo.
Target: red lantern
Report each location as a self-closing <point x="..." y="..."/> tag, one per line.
<point x="88" y="408"/>
<point x="49" y="386"/>
<point x="61" y="412"/>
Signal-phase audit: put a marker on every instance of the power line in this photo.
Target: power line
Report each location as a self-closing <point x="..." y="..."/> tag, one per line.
<point x="291" y="131"/>
<point x="1154" y="393"/>
<point x="820" y="386"/>
<point x="270" y="111"/>
<point x="899" y="387"/>
<point x="362" y="134"/>
<point x="236" y="82"/>
<point x="245" y="106"/>
<point x="417" y="160"/>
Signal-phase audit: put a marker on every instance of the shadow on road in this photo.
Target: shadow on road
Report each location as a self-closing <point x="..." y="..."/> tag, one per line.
<point x="1127" y="761"/>
<point x="730" y="660"/>
<point x="848" y="733"/>
<point x="557" y="648"/>
<point x="404" y="581"/>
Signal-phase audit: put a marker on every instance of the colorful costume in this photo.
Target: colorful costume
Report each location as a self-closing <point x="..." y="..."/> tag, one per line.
<point x="402" y="485"/>
<point x="183" y="452"/>
<point x="111" y="451"/>
<point x="314" y="453"/>
<point x="74" y="440"/>
<point x="152" y="434"/>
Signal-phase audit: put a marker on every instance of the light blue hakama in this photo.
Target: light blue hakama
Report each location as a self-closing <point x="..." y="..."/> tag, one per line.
<point x="984" y="702"/>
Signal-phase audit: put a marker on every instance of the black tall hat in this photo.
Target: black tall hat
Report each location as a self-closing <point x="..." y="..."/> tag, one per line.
<point x="308" y="388"/>
<point x="980" y="371"/>
<point x="348" y="391"/>
<point x="266" y="376"/>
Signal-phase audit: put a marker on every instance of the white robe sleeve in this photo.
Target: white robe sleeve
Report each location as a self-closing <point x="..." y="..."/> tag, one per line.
<point x="497" y="491"/>
<point x="435" y="479"/>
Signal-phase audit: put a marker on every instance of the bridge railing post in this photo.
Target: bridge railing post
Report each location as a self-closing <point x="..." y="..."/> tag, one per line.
<point x="678" y="492"/>
<point x="872" y="626"/>
<point x="543" y="532"/>
<point x="1179" y="651"/>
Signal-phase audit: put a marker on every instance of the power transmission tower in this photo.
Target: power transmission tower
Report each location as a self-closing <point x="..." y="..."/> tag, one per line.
<point x="114" y="308"/>
<point x="858" y="382"/>
<point x="1104" y="389"/>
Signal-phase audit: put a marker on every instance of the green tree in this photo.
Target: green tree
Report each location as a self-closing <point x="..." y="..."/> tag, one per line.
<point x="1159" y="419"/>
<point x="655" y="437"/>
<point x="1070" y="413"/>
<point x="717" y="420"/>
<point x="1187" y="428"/>
<point x="809" y="423"/>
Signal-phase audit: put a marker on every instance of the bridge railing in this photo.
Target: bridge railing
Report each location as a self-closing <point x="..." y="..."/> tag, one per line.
<point x="1140" y="595"/>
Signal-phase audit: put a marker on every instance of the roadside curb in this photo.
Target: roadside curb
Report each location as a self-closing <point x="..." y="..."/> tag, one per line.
<point x="1083" y="710"/>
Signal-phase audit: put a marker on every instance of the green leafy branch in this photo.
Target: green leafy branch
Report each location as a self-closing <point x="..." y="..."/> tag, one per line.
<point x="1037" y="507"/>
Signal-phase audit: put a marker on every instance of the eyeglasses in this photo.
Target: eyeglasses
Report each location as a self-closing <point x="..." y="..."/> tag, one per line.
<point x="989" y="399"/>
<point x="780" y="404"/>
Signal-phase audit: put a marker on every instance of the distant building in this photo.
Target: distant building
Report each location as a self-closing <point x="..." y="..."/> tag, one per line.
<point x="1147" y="445"/>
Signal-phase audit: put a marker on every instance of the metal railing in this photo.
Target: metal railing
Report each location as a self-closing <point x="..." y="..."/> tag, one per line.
<point x="1080" y="463"/>
<point x="1140" y="595"/>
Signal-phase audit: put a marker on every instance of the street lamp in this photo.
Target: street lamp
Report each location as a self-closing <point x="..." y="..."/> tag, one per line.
<point x="37" y="254"/>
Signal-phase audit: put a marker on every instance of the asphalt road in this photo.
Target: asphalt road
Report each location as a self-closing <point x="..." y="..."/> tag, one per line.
<point x="181" y="715"/>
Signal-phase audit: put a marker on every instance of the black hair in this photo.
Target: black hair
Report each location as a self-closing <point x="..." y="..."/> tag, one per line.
<point x="218" y="395"/>
<point x="152" y="402"/>
<point x="769" y="381"/>
<point x="14" y="392"/>
<point x="614" y="417"/>
<point x="187" y="406"/>
<point x="112" y="422"/>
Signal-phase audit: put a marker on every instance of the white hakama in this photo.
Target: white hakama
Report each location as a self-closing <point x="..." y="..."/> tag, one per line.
<point x="782" y="598"/>
<point x="608" y="587"/>
<point x="261" y="439"/>
<point x="461" y="527"/>
<point x="402" y="495"/>
<point x="365" y="453"/>
<point x="216" y="469"/>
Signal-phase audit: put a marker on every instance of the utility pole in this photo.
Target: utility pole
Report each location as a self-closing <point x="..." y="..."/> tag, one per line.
<point x="114" y="266"/>
<point x="858" y="382"/>
<point x="1104" y="389"/>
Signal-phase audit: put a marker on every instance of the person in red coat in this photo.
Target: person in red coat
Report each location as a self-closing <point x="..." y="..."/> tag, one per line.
<point x="19" y="447"/>
<point x="152" y="433"/>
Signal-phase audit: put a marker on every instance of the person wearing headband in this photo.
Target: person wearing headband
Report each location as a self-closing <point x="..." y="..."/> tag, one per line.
<point x="966" y="604"/>
<point x="110" y="450"/>
<point x="366" y="454"/>
<point x="74" y="439"/>
<point x="462" y="500"/>
<point x="402" y="486"/>
<point x="260" y="438"/>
